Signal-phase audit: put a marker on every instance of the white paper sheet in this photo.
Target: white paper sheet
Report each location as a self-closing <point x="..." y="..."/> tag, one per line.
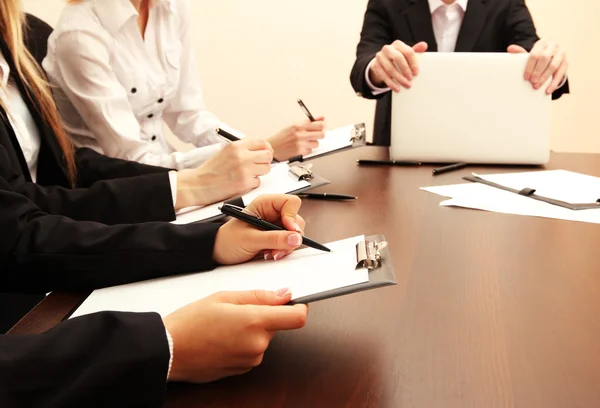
<point x="558" y="184"/>
<point x="334" y="140"/>
<point x="305" y="272"/>
<point x="278" y="181"/>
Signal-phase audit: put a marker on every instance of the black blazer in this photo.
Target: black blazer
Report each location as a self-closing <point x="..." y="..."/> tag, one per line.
<point x="108" y="191"/>
<point x="488" y="26"/>
<point x="100" y="360"/>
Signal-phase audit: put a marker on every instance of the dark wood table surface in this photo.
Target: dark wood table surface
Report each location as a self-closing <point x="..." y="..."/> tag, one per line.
<point x="490" y="310"/>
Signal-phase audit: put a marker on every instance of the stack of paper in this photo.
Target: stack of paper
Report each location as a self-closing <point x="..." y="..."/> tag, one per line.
<point x="278" y="181"/>
<point x="306" y="272"/>
<point x="560" y="185"/>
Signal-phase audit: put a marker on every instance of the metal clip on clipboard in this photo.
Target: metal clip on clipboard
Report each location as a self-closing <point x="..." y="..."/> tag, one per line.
<point x="359" y="133"/>
<point x="303" y="173"/>
<point x="368" y="254"/>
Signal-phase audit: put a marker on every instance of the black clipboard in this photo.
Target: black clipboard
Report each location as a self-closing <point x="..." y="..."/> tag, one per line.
<point x="358" y="137"/>
<point x="372" y="253"/>
<point x="530" y="192"/>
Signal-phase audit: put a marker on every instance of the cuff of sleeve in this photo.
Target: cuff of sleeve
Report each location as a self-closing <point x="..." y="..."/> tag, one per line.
<point x="374" y="89"/>
<point x="173" y="183"/>
<point x="170" y="341"/>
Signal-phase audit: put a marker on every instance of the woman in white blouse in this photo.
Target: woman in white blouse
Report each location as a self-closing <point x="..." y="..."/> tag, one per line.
<point x="124" y="68"/>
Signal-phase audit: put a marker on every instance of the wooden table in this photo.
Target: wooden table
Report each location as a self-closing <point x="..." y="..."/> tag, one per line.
<point x="490" y="310"/>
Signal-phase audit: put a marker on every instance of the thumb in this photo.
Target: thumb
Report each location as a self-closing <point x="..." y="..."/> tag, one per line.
<point x="420" y="47"/>
<point x="516" y="49"/>
<point x="274" y="240"/>
<point x="257" y="297"/>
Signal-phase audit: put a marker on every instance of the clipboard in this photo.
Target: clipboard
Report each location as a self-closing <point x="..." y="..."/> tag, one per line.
<point x="372" y="253"/>
<point x="317" y="277"/>
<point x="357" y="137"/>
<point x="530" y="192"/>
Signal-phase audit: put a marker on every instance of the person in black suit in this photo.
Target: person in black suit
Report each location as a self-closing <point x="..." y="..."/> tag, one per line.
<point x="125" y="359"/>
<point x="394" y="30"/>
<point x="108" y="191"/>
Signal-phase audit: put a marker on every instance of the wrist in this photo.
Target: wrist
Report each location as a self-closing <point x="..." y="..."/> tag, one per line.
<point x="185" y="190"/>
<point x="173" y="373"/>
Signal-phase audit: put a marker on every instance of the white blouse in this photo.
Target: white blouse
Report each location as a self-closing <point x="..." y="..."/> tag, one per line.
<point x="20" y="119"/>
<point x="116" y="89"/>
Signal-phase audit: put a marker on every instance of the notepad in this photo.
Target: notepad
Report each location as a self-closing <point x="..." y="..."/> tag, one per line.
<point x="278" y="181"/>
<point x="306" y="272"/>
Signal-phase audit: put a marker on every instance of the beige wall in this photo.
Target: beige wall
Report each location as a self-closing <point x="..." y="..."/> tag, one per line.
<point x="257" y="57"/>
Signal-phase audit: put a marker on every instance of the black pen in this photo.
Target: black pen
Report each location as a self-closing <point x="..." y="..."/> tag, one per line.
<point x="306" y="111"/>
<point x="233" y="138"/>
<point x="227" y="135"/>
<point x="387" y="163"/>
<point x="237" y="213"/>
<point x="446" y="169"/>
<point x="326" y="196"/>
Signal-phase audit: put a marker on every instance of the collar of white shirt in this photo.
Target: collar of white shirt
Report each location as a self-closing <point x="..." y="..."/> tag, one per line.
<point x="113" y="14"/>
<point x="436" y="4"/>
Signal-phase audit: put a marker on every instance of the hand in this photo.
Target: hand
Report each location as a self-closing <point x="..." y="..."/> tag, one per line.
<point x="233" y="171"/>
<point x="298" y="139"/>
<point x="396" y="65"/>
<point x="546" y="60"/>
<point x="238" y="242"/>
<point x="228" y="333"/>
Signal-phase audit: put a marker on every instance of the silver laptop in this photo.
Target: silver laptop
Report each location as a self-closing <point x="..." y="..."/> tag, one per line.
<point x="473" y="108"/>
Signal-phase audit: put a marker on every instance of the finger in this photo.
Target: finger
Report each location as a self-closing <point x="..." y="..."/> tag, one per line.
<point x="399" y="55"/>
<point x="516" y="49"/>
<point x="383" y="74"/>
<point x="260" y="156"/>
<point x="317" y="126"/>
<point x="277" y="255"/>
<point x="559" y="76"/>
<point x="533" y="58"/>
<point x="282" y="317"/>
<point x="551" y="69"/>
<point x="255" y="144"/>
<point x="320" y="119"/>
<point x="255" y="297"/>
<point x="300" y="223"/>
<point x="310" y="135"/>
<point x="393" y="71"/>
<point x="273" y="240"/>
<point x="542" y="64"/>
<point x="421" y="47"/>
<point x="261" y="169"/>
<point x="280" y="207"/>
<point x="411" y="60"/>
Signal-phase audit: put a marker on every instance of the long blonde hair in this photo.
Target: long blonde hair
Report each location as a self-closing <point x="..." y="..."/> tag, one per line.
<point x="12" y="22"/>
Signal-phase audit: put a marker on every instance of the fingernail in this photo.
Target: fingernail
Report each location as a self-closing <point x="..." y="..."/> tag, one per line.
<point x="283" y="292"/>
<point x="297" y="228"/>
<point x="268" y="256"/>
<point x="295" y="240"/>
<point x="279" y="255"/>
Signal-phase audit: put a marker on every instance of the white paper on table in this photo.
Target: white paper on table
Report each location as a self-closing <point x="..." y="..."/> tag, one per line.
<point x="278" y="181"/>
<point x="306" y="272"/>
<point x="563" y="185"/>
<point x="335" y="139"/>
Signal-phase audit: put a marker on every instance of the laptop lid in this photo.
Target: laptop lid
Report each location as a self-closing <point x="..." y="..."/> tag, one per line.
<point x="473" y="108"/>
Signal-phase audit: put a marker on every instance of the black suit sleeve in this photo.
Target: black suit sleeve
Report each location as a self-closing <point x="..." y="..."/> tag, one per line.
<point x="101" y="360"/>
<point x="41" y="252"/>
<point x="521" y="30"/>
<point x="93" y="166"/>
<point x="376" y="32"/>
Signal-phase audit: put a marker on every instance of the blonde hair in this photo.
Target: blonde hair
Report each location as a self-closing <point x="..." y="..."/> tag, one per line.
<point x="12" y="22"/>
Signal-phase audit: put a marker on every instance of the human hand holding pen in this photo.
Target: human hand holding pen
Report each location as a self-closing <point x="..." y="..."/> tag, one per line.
<point x="238" y="242"/>
<point x="233" y="171"/>
<point x="298" y="139"/>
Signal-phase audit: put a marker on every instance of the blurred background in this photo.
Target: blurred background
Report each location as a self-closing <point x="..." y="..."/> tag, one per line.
<point x="257" y="57"/>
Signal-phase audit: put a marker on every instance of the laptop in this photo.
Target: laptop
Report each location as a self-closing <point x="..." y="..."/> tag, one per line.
<point x="472" y="108"/>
